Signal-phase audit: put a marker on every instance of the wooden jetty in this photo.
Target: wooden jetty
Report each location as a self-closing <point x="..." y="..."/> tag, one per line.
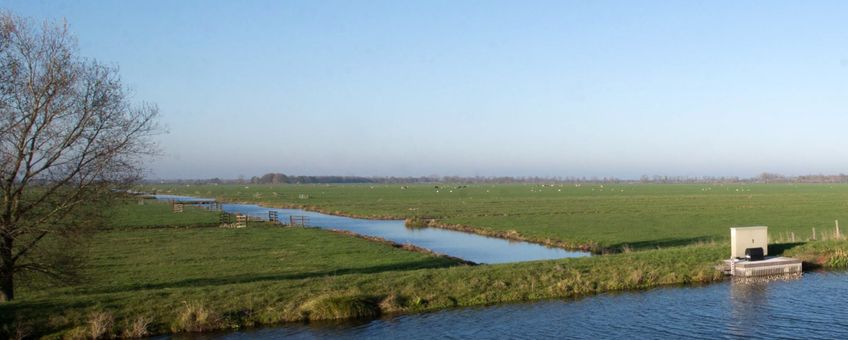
<point x="778" y="265"/>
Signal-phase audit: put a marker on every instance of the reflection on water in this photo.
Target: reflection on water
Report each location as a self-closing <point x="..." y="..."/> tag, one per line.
<point x="812" y="307"/>
<point x="471" y="247"/>
<point x="746" y="301"/>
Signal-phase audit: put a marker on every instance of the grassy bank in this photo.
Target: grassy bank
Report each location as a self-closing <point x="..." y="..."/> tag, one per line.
<point x="610" y="216"/>
<point x="199" y="279"/>
<point x="830" y="254"/>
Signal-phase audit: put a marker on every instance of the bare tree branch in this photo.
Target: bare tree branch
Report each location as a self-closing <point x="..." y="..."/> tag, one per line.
<point x="68" y="135"/>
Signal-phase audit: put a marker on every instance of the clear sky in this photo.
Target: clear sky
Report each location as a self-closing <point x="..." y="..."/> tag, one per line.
<point x="490" y="88"/>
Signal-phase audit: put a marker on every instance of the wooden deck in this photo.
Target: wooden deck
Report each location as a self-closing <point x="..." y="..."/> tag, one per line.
<point x="770" y="266"/>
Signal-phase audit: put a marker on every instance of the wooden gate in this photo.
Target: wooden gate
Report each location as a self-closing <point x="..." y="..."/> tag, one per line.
<point x="298" y="220"/>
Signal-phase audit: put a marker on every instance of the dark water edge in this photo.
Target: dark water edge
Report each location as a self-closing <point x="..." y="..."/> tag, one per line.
<point x="467" y="246"/>
<point x="813" y="306"/>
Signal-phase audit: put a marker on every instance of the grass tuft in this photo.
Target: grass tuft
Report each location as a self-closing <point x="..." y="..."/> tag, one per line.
<point x="340" y="307"/>
<point x="195" y="317"/>
<point x="100" y="324"/>
<point x="19" y="330"/>
<point x="76" y="333"/>
<point x="137" y="328"/>
<point x="393" y="303"/>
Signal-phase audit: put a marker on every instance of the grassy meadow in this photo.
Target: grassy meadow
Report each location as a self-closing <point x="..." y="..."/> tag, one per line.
<point x="153" y="271"/>
<point x="157" y="214"/>
<point x="597" y="217"/>
<point x="157" y="274"/>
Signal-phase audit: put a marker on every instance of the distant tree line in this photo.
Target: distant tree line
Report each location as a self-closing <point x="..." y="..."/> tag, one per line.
<point x="279" y="178"/>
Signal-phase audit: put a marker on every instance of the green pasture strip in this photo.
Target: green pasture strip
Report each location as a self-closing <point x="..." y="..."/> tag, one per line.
<point x="613" y="216"/>
<point x="152" y="213"/>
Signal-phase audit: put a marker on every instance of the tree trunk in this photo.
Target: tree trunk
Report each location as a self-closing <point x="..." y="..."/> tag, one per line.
<point x="7" y="287"/>
<point x="7" y="271"/>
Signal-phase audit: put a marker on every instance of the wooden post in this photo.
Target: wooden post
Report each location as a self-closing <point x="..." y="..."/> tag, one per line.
<point x="793" y="236"/>
<point x="814" y="233"/>
<point x="838" y="236"/>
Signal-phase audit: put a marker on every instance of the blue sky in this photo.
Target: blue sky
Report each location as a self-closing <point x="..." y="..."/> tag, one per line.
<point x="490" y="88"/>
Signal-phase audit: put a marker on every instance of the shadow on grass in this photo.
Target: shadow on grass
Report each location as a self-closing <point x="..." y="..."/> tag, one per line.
<point x="23" y="312"/>
<point x="660" y="243"/>
<point x="778" y="249"/>
<point x="251" y="278"/>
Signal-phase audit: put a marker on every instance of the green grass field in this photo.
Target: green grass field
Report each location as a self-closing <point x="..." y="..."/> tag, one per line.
<point x="153" y="271"/>
<point x="151" y="214"/>
<point x="138" y="271"/>
<point x="200" y="279"/>
<point x="638" y="216"/>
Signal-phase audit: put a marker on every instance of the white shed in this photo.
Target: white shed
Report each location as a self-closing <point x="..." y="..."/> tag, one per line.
<point x="748" y="237"/>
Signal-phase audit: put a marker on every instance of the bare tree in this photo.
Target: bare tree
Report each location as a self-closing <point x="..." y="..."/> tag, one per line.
<point x="68" y="135"/>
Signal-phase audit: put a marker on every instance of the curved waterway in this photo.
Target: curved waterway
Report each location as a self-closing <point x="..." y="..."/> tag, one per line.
<point x="811" y="307"/>
<point x="467" y="246"/>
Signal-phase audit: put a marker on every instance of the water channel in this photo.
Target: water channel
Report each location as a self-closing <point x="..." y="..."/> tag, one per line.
<point x="471" y="247"/>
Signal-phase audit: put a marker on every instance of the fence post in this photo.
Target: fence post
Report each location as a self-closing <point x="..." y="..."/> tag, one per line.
<point x="838" y="235"/>
<point x="814" y="233"/>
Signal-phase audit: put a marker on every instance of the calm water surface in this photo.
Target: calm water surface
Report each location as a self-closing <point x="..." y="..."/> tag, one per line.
<point x="471" y="247"/>
<point x="811" y="307"/>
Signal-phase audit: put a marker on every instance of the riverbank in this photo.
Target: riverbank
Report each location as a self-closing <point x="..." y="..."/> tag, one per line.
<point x="153" y="280"/>
<point x="215" y="279"/>
<point x="730" y="309"/>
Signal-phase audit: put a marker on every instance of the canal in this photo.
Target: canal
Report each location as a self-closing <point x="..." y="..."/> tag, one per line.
<point x="467" y="246"/>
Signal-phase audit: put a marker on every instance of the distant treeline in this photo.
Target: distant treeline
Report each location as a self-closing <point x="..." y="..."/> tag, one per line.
<point x="279" y="178"/>
<point x="765" y="177"/>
